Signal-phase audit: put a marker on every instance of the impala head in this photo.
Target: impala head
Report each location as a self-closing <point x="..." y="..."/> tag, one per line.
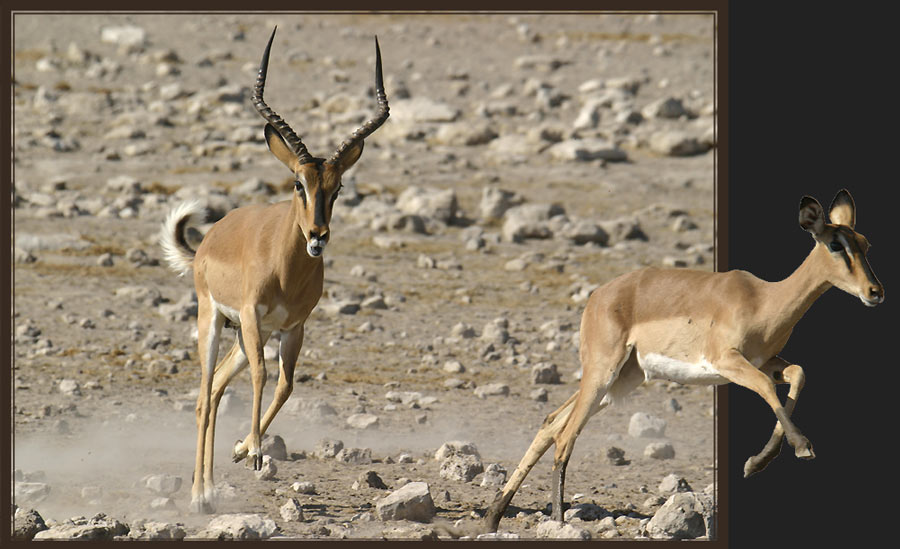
<point x="841" y="248"/>
<point x="317" y="181"/>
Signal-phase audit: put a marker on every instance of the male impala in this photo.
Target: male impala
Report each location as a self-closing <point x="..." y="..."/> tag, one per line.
<point x="260" y="268"/>
<point x="698" y="327"/>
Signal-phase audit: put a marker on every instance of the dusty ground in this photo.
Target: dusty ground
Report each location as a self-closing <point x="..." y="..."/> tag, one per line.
<point x="78" y="126"/>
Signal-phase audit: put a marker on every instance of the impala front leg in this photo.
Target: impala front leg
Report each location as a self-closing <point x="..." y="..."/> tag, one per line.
<point x="253" y="346"/>
<point x="781" y="372"/>
<point x="736" y="368"/>
<point x="291" y="341"/>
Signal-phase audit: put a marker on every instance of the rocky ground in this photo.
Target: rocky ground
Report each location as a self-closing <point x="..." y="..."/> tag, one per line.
<point x="527" y="160"/>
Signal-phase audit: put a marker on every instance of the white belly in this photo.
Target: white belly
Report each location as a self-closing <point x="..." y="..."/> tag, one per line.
<point x="658" y="366"/>
<point x="274" y="320"/>
<point x="231" y="314"/>
<point x="269" y="321"/>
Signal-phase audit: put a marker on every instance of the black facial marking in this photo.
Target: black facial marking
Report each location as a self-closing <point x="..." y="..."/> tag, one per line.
<point x="841" y="237"/>
<point x="299" y="187"/>
<point x="320" y="208"/>
<point x="846" y="255"/>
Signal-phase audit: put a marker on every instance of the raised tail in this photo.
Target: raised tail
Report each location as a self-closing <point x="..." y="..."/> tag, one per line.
<point x="176" y="251"/>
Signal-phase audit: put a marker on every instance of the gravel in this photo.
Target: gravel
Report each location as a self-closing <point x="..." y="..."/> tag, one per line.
<point x="484" y="148"/>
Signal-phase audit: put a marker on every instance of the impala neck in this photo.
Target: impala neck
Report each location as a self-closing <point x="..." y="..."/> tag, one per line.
<point x="792" y="297"/>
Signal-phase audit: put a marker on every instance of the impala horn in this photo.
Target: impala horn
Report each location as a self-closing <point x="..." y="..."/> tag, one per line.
<point x="383" y="112"/>
<point x="291" y="138"/>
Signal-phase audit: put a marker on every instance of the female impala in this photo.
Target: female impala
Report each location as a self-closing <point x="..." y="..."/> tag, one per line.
<point x="260" y="267"/>
<point x="698" y="327"/>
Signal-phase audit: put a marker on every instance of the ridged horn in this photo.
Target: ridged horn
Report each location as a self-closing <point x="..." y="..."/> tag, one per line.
<point x="383" y="112"/>
<point x="291" y="138"/>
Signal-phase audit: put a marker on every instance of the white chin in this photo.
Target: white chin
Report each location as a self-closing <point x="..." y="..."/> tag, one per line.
<point x="867" y="302"/>
<point x="314" y="251"/>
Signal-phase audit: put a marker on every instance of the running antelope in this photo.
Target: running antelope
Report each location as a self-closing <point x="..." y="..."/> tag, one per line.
<point x="703" y="328"/>
<point x="260" y="268"/>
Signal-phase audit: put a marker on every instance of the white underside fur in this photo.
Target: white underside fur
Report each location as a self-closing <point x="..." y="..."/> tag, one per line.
<point x="658" y="366"/>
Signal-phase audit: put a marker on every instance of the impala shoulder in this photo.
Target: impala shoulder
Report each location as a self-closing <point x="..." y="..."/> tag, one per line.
<point x="739" y="280"/>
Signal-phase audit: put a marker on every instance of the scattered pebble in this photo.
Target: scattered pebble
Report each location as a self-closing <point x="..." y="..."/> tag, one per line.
<point x="616" y="456"/>
<point x="543" y="373"/>
<point x="644" y="425"/>
<point x="659" y="450"/>
<point x="98" y="527"/>
<point x="492" y="389"/>
<point x="561" y="530"/>
<point x="355" y="456"/>
<point x="411" y="502"/>
<point x="269" y="469"/>
<point x="363" y="421"/>
<point x="372" y="480"/>
<point x="291" y="511"/>
<point x="274" y="446"/>
<point x="238" y="527"/>
<point x="305" y="487"/>
<point x="685" y="515"/>
<point x="538" y="395"/>
<point x="494" y="475"/>
<point x="162" y="484"/>
<point x="461" y="467"/>
<point x="673" y="483"/>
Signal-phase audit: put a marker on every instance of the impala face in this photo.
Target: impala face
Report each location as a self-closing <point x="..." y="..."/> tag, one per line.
<point x="317" y="181"/>
<point x="842" y="248"/>
<point x="316" y="188"/>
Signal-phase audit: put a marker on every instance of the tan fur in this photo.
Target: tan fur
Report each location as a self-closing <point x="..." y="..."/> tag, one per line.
<point x="260" y="267"/>
<point x="731" y="324"/>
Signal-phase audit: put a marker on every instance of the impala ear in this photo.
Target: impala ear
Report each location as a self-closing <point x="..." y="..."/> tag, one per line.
<point x="280" y="149"/>
<point x="349" y="157"/>
<point x="812" y="217"/>
<point x="843" y="210"/>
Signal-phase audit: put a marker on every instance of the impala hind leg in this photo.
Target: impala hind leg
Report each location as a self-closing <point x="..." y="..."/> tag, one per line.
<point x="736" y="368"/>
<point x="601" y="388"/>
<point x="233" y="363"/>
<point x="553" y="423"/>
<point x="288" y="352"/>
<point x="781" y="372"/>
<point x="209" y="328"/>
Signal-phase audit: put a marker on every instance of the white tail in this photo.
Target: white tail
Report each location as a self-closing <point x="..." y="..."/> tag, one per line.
<point x="176" y="252"/>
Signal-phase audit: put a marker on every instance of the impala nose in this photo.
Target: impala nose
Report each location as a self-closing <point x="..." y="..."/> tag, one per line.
<point x="315" y="244"/>
<point x="318" y="237"/>
<point x="876" y="294"/>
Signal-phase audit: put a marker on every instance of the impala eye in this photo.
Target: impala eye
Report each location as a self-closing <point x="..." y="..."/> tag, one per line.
<point x="835" y="246"/>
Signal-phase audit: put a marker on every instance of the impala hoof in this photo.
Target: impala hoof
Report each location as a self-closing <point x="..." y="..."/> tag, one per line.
<point x="201" y="506"/>
<point x="557" y="515"/>
<point x="751" y="466"/>
<point x="805" y="451"/>
<point x="257" y="461"/>
<point x="492" y="520"/>
<point x="239" y="452"/>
